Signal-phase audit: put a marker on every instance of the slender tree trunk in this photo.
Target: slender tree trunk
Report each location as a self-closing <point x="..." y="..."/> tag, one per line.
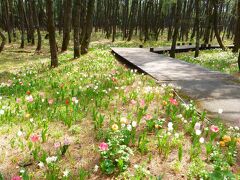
<point x="197" y="7"/>
<point x="237" y="31"/>
<point x="89" y="26"/>
<point x="215" y="24"/>
<point x="51" y="31"/>
<point x="76" y="18"/>
<point x="176" y="25"/>
<point x="36" y="20"/>
<point x="239" y="62"/>
<point x="67" y="23"/>
<point x="21" y="15"/>
<point x="3" y="41"/>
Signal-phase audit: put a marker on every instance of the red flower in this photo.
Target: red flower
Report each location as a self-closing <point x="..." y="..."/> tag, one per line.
<point x="28" y="92"/>
<point x="173" y="101"/>
<point x="67" y="102"/>
<point x="214" y="128"/>
<point x="16" y="178"/>
<point x="35" y="138"/>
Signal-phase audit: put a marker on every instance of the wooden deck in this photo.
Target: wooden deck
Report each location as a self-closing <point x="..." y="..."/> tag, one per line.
<point x="187" y="48"/>
<point x="213" y="90"/>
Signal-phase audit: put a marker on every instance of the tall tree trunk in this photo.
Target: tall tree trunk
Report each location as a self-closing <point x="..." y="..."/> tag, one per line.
<point x="51" y="31"/>
<point x="3" y="41"/>
<point x="36" y="20"/>
<point x="176" y="29"/>
<point x="31" y="23"/>
<point x="67" y="23"/>
<point x="215" y="23"/>
<point x="237" y="31"/>
<point x="132" y="19"/>
<point x="76" y="22"/>
<point x="21" y="15"/>
<point x="197" y="7"/>
<point x="239" y="62"/>
<point x="89" y="26"/>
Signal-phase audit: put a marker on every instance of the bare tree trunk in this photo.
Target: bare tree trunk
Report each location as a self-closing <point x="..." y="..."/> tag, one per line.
<point x="176" y="25"/>
<point x="76" y="22"/>
<point x="239" y="62"/>
<point x="89" y="25"/>
<point x="36" y="20"/>
<point x="215" y="24"/>
<point x="51" y="31"/>
<point x="197" y="7"/>
<point x="237" y="31"/>
<point x="67" y="24"/>
<point x="3" y="41"/>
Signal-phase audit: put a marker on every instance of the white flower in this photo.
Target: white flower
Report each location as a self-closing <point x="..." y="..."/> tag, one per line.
<point x="1" y="112"/>
<point x="123" y="120"/>
<point x="220" y="111"/>
<point x="197" y="126"/>
<point x="20" y="133"/>
<point x="66" y="173"/>
<point x="0" y="97"/>
<point x="136" y="166"/>
<point x="51" y="159"/>
<point x="41" y="165"/>
<point x="134" y="124"/>
<point x="201" y="140"/>
<point x="177" y="135"/>
<point x="22" y="171"/>
<point x="236" y="128"/>
<point x="170" y="126"/>
<point x="31" y="120"/>
<point x="198" y="132"/>
<point x="129" y="127"/>
<point x="95" y="168"/>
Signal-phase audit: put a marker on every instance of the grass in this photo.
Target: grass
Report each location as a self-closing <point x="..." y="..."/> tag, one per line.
<point x="217" y="60"/>
<point x="53" y="123"/>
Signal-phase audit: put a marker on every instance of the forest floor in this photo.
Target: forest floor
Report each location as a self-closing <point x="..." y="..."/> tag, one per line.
<point x="92" y="118"/>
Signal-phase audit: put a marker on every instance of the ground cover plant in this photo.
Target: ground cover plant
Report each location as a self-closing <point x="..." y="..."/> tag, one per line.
<point x="217" y="60"/>
<point x="93" y="118"/>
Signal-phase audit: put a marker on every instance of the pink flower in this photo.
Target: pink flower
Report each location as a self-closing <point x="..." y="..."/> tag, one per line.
<point x="50" y="101"/>
<point x="42" y="94"/>
<point x="66" y="142"/>
<point x="57" y="145"/>
<point x="35" y="138"/>
<point x="133" y="102"/>
<point x="18" y="100"/>
<point x="214" y="128"/>
<point x="142" y="103"/>
<point x="148" y="117"/>
<point x="173" y="101"/>
<point x="103" y="146"/>
<point x="29" y="98"/>
<point x="16" y="178"/>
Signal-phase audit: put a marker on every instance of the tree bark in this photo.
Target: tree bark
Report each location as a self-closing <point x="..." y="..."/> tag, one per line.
<point x="76" y="22"/>
<point x="36" y="20"/>
<point x="197" y="7"/>
<point x="3" y="41"/>
<point x="89" y="26"/>
<point x="67" y="23"/>
<point x="51" y="31"/>
<point x="215" y="24"/>
<point x="176" y="25"/>
<point x="237" y="31"/>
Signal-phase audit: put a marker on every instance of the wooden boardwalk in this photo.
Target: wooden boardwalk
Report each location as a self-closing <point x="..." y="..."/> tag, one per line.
<point x="213" y="90"/>
<point x="187" y="48"/>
